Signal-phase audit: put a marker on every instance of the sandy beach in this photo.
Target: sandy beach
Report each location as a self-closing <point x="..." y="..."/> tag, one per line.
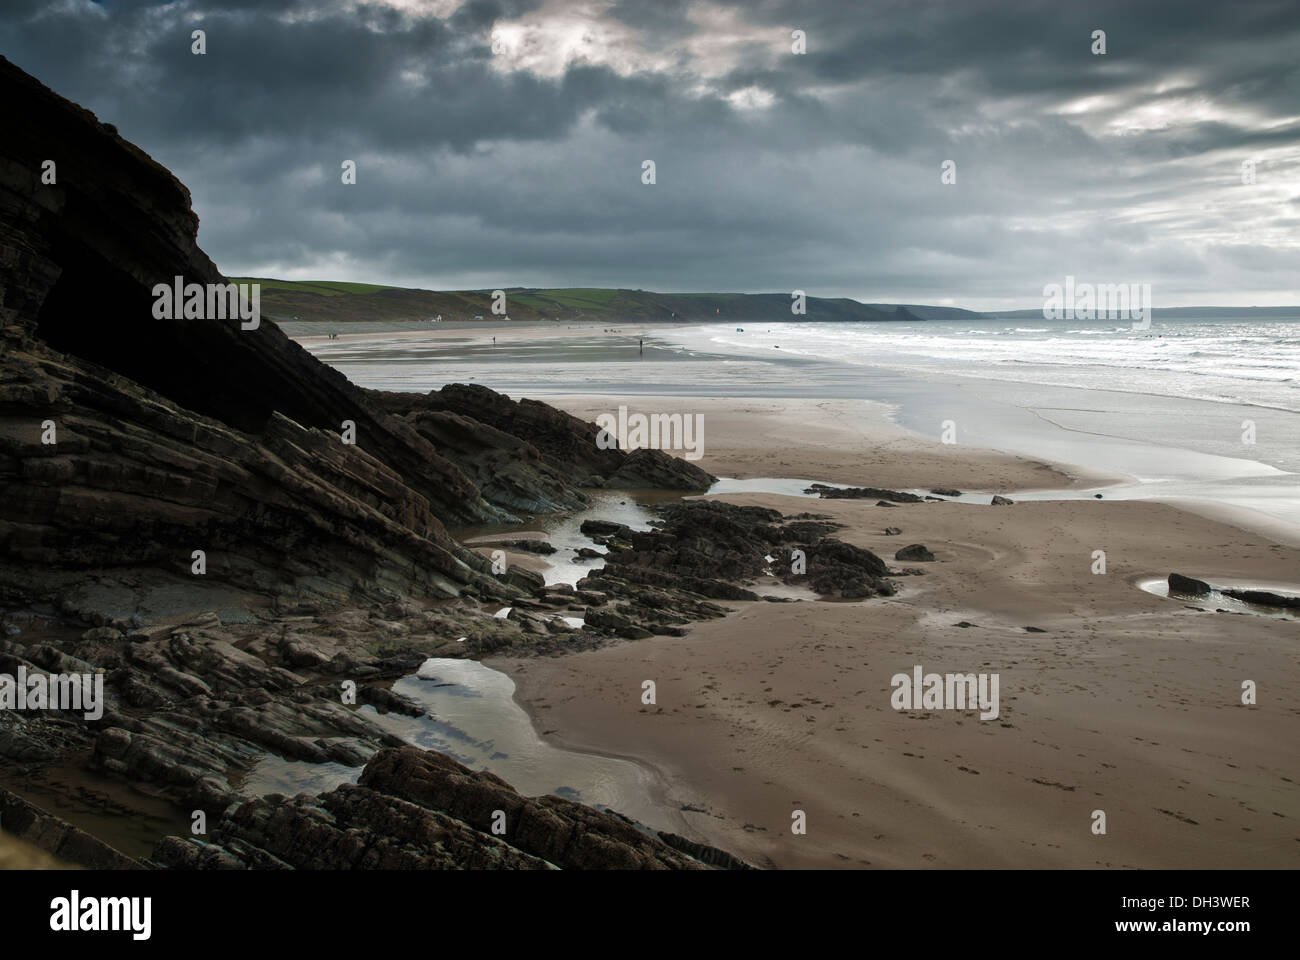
<point x="1127" y="702"/>
<point x="1117" y="701"/>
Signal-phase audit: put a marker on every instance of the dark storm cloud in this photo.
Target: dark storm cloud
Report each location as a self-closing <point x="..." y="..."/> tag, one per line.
<point x="522" y="166"/>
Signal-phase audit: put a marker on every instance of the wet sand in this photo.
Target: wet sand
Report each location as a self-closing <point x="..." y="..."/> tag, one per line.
<point x="1128" y="703"/>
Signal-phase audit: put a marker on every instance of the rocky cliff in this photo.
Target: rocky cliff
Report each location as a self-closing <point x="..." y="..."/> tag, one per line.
<point x="181" y="514"/>
<point x="128" y="442"/>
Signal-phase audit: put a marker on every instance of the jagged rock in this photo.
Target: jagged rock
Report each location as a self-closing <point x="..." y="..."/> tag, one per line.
<point x="847" y="571"/>
<point x="560" y="441"/>
<point x="610" y="622"/>
<point x="946" y="492"/>
<point x="703" y="547"/>
<point x="657" y="469"/>
<point x="302" y="652"/>
<point x="1263" y="597"/>
<point x="998" y="501"/>
<point x="58" y="837"/>
<point x="914" y="551"/>
<point x="386" y="701"/>
<point x="416" y="809"/>
<point x="601" y="528"/>
<point x="17" y="747"/>
<point x="711" y="856"/>
<point x="1188" y="586"/>
<point x="508" y="470"/>
<point x="563" y="832"/>
<point x="804" y="529"/>
<point x="892" y="531"/>
<point x="863" y="493"/>
<point x="525" y="579"/>
<point x="532" y="546"/>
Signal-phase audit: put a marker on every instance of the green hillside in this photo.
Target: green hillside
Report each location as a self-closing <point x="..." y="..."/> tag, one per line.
<point x="331" y="301"/>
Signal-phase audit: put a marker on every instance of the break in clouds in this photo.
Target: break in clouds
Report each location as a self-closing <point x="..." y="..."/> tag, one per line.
<point x="501" y="142"/>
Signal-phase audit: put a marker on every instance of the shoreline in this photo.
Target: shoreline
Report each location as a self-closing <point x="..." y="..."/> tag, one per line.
<point x="1090" y="703"/>
<point x="843" y="426"/>
<point x="1209" y="484"/>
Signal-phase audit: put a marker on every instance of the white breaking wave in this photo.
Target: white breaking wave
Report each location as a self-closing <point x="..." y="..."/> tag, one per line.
<point x="1237" y="361"/>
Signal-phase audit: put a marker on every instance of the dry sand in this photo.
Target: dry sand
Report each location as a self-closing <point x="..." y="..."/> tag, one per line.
<point x="1129" y="703"/>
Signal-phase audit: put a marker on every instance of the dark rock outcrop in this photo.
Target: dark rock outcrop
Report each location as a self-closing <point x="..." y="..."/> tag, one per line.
<point x="999" y="501"/>
<point x="1188" y="586"/>
<point x="58" y="837"/>
<point x="654" y="469"/>
<point x="557" y="442"/>
<point x="1264" y="598"/>
<point x="863" y="493"/>
<point x="532" y="546"/>
<point x="915" y="552"/>
<point x="711" y="549"/>
<point x="605" y="528"/>
<point x="420" y="810"/>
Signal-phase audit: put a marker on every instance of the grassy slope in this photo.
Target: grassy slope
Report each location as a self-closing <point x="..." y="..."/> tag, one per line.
<point x="330" y="301"/>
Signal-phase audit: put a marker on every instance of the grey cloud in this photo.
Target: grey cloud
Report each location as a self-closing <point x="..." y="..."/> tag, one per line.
<point x="470" y="175"/>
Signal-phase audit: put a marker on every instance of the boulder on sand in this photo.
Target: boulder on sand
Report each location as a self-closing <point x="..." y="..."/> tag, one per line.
<point x="1188" y="586"/>
<point x="914" y="551"/>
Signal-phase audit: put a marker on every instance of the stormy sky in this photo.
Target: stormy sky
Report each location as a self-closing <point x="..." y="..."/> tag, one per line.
<point x="501" y="143"/>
